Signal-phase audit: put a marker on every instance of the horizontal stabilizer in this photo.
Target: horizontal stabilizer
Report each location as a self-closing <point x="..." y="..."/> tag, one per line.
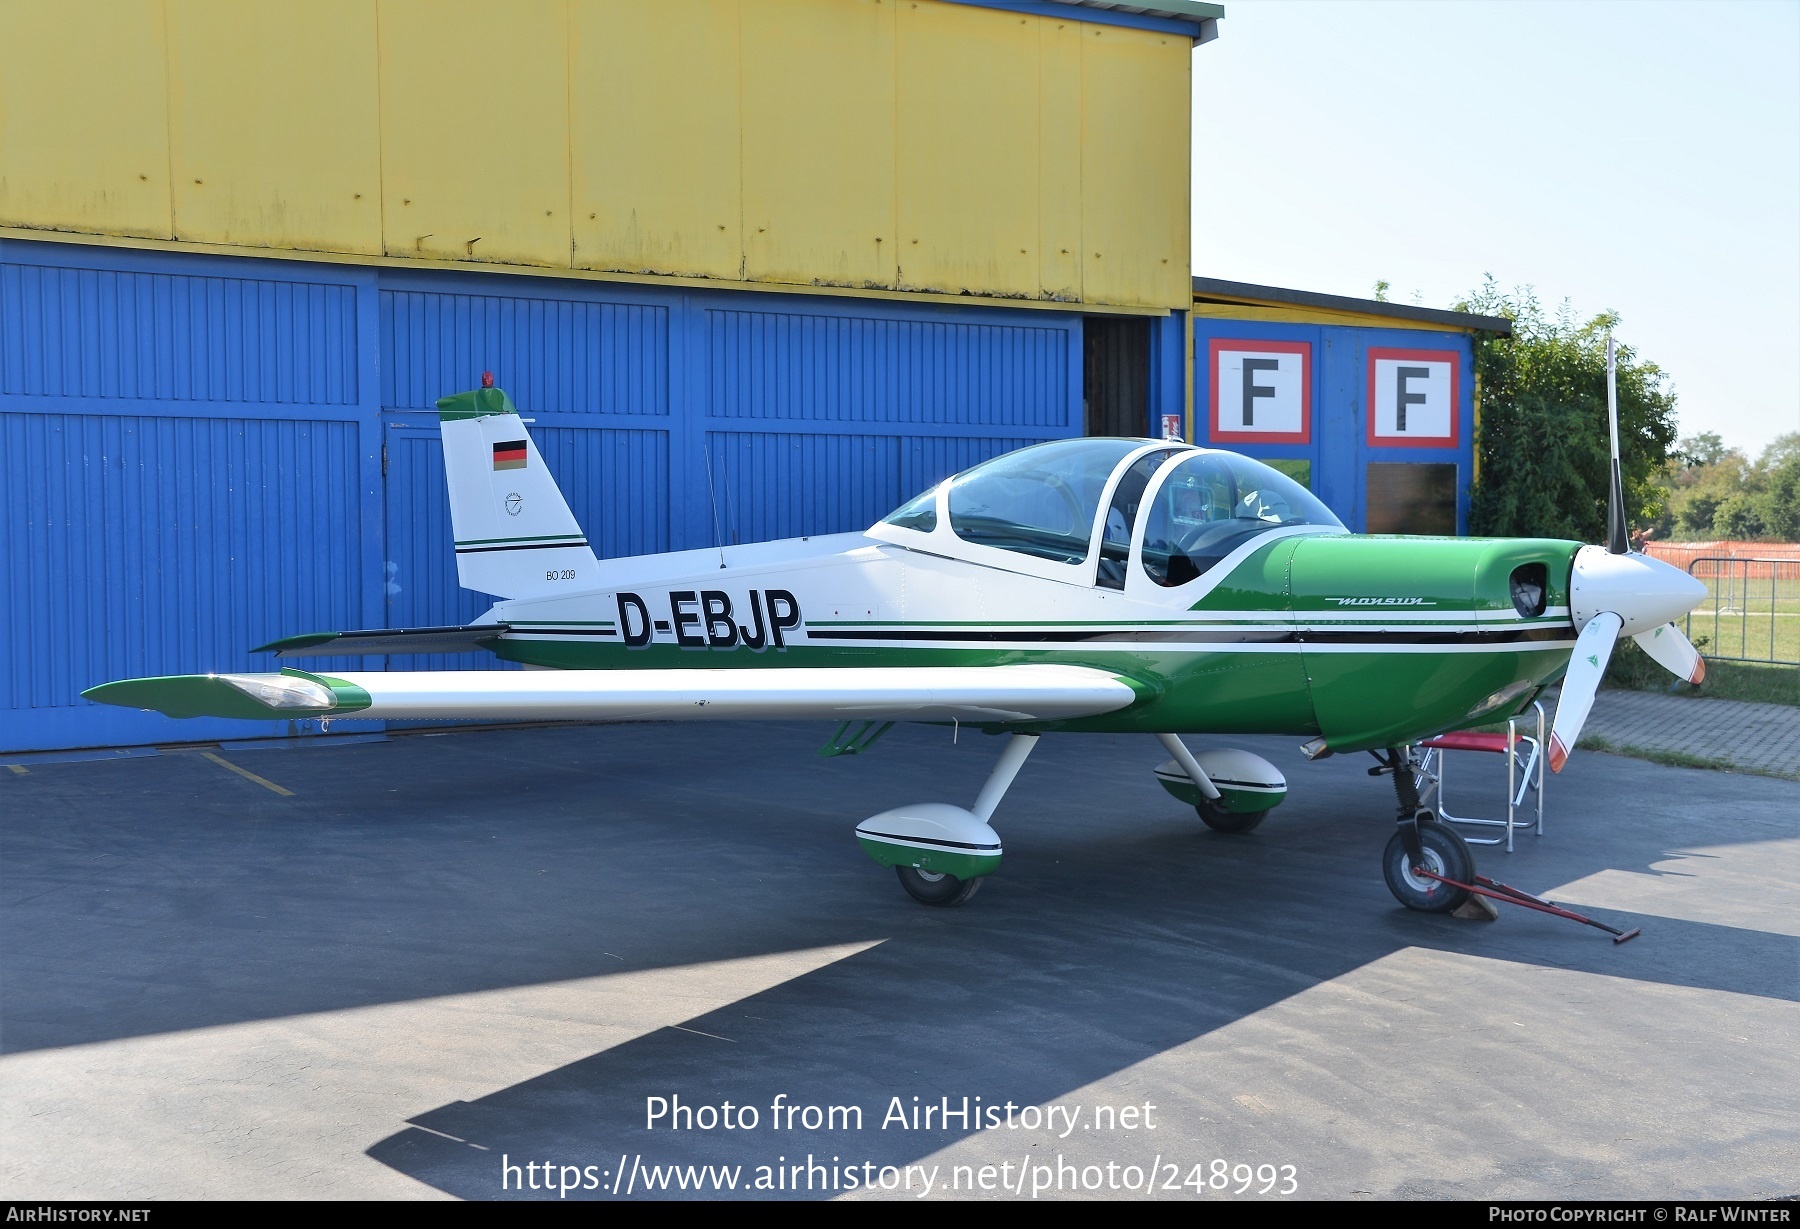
<point x="386" y="640"/>
<point x="980" y="694"/>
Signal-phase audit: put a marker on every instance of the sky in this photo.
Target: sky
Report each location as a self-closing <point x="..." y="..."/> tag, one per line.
<point x="1626" y="155"/>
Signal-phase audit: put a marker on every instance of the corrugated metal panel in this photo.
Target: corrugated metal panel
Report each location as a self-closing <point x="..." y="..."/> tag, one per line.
<point x="84" y="116"/>
<point x="420" y="568"/>
<point x="968" y="193"/>
<point x="1059" y="159"/>
<point x="1135" y="216"/>
<point x="927" y="460"/>
<point x="475" y="130"/>
<point x="162" y="545"/>
<point x="817" y="106"/>
<point x="782" y="486"/>
<point x="94" y="333"/>
<point x="843" y="368"/>
<point x="672" y="67"/>
<point x="252" y="89"/>
<point x="552" y="355"/>
<point x="616" y="482"/>
<point x="855" y="143"/>
<point x="773" y="485"/>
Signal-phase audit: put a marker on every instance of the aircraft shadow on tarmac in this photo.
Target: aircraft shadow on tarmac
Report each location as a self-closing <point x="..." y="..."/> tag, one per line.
<point x="1118" y="929"/>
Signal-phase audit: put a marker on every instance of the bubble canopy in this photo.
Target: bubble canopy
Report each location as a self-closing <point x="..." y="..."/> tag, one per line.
<point x="1211" y="503"/>
<point x="1045" y="502"/>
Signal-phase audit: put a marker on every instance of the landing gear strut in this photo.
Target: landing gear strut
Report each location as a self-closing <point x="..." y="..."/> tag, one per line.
<point x="940" y="852"/>
<point x="1421" y="844"/>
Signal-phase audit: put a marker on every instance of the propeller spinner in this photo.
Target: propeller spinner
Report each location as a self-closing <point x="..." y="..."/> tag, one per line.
<point x="1615" y="592"/>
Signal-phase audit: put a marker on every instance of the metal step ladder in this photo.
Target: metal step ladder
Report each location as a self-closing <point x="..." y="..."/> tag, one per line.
<point x="1524" y="774"/>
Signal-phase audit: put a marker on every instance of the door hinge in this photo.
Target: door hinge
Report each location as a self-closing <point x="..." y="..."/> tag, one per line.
<point x="384" y="458"/>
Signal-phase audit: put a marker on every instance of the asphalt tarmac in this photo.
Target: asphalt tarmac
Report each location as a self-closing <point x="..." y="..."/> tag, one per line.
<point x="438" y="964"/>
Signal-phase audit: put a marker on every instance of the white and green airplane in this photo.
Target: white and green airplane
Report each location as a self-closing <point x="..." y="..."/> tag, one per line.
<point x="1081" y="585"/>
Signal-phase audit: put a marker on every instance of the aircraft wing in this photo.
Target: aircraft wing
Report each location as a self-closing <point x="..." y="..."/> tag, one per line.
<point x="1009" y="694"/>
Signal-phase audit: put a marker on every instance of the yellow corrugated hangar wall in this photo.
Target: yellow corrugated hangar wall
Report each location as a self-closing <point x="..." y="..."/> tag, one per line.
<point x="755" y="268"/>
<point x="877" y="144"/>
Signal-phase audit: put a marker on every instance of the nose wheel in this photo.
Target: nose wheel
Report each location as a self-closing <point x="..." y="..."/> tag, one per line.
<point x="1443" y="853"/>
<point x="1421" y="844"/>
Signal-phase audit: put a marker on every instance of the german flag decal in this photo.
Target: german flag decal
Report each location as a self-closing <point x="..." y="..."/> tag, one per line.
<point x="510" y="455"/>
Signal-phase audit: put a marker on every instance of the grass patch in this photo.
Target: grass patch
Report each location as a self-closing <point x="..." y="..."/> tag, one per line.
<point x="1675" y="759"/>
<point x="1758" y="619"/>
<point x="1632" y="669"/>
<point x="1748" y="680"/>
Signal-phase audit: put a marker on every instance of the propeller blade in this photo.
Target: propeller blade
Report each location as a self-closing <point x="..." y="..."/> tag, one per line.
<point x="1617" y="542"/>
<point x="1593" y="648"/>
<point x="1673" y="651"/>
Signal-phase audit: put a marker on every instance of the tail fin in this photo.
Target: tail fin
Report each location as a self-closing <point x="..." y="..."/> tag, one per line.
<point x="515" y="535"/>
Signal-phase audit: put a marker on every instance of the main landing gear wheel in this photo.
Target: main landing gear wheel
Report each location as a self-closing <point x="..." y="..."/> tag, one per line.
<point x="1446" y="854"/>
<point x="1219" y="819"/>
<point x="936" y="887"/>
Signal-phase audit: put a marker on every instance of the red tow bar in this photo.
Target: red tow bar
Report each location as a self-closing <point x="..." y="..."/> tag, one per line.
<point x="1494" y="890"/>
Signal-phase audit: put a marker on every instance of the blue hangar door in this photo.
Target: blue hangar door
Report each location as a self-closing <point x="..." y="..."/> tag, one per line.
<point x="187" y="469"/>
<point x="200" y="454"/>
<point x="675" y="420"/>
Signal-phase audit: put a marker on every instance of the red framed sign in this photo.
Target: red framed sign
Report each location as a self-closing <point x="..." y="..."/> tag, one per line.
<point x="1412" y="398"/>
<point x="1261" y="391"/>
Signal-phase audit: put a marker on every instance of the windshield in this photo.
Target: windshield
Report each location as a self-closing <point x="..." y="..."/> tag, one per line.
<point x="919" y="512"/>
<point x="1040" y="501"/>
<point x="1213" y="503"/>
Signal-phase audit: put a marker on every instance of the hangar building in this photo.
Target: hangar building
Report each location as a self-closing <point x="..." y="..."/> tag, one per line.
<point x="1371" y="405"/>
<point x="755" y="269"/>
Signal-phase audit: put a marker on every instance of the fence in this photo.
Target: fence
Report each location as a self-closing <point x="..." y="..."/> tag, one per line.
<point x="1680" y="554"/>
<point x="1752" y="612"/>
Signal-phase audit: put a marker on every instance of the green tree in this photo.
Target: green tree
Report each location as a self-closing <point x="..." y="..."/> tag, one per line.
<point x="1697" y="451"/>
<point x="1781" y="509"/>
<point x="1739" y="515"/>
<point x="1543" y="448"/>
<point x="1701" y="489"/>
<point x="1717" y="492"/>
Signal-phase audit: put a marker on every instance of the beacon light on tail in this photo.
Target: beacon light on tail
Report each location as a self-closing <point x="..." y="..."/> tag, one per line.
<point x="1087" y="585"/>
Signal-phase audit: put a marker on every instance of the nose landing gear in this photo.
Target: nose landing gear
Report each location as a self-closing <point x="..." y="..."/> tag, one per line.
<point x="1418" y="880"/>
<point x="1429" y="867"/>
<point x="1425" y="863"/>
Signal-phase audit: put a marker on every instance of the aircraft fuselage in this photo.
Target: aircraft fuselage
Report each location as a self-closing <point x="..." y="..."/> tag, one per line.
<point x="1367" y="641"/>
